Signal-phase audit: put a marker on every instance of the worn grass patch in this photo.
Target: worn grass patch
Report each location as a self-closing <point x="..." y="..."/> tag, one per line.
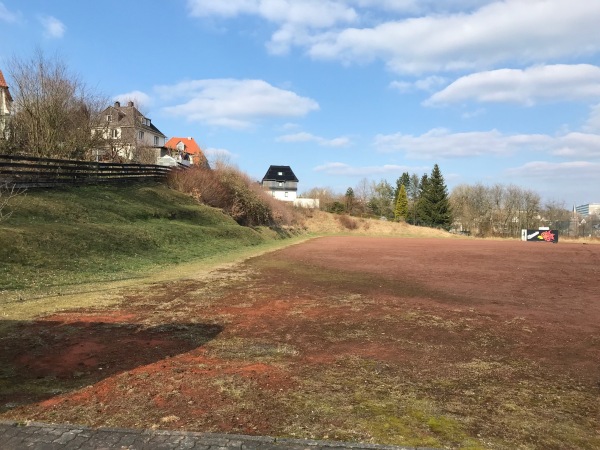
<point x="64" y="237"/>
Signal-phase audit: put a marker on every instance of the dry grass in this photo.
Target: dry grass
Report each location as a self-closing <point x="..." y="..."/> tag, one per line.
<point x="323" y="223"/>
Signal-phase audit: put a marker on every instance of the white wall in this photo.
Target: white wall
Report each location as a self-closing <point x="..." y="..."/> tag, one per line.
<point x="312" y="203"/>
<point x="286" y="196"/>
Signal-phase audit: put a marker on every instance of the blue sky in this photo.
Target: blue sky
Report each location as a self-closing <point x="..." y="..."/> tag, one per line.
<point x="341" y="90"/>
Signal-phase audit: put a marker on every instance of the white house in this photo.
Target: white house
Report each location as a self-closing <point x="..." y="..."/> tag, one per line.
<point x="281" y="183"/>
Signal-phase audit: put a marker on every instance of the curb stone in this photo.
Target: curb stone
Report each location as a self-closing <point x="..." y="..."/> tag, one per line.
<point x="45" y="436"/>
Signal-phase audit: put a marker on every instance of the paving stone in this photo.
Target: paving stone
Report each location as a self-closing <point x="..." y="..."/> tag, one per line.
<point x="39" y="436"/>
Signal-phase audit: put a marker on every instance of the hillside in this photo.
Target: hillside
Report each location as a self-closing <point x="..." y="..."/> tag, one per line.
<point x="69" y="236"/>
<point x="58" y="239"/>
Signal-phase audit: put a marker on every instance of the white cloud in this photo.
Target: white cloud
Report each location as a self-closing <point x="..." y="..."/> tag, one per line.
<point x="307" y="137"/>
<point x="140" y="99"/>
<point x="511" y="30"/>
<point x="593" y="123"/>
<point x="413" y="36"/>
<point x="310" y="13"/>
<point x="421" y="6"/>
<point x="232" y="103"/>
<point x="294" y="18"/>
<point x="577" y="145"/>
<point x="217" y="156"/>
<point x="53" y="28"/>
<point x="441" y="143"/>
<point x="6" y="15"/>
<point x="528" y="86"/>
<point x="339" y="168"/>
<point x="552" y="171"/>
<point x="425" y="84"/>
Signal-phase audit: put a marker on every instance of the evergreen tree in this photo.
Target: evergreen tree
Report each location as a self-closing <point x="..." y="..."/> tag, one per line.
<point x="349" y="200"/>
<point x="404" y="179"/>
<point x="401" y="209"/>
<point x="435" y="206"/>
<point x="420" y="205"/>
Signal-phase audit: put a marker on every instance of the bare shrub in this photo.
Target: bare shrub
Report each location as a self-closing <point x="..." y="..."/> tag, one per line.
<point x="235" y="193"/>
<point x="8" y="192"/>
<point x="348" y="222"/>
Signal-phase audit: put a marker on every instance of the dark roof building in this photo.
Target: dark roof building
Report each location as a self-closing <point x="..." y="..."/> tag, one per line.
<point x="281" y="183"/>
<point x="280" y="173"/>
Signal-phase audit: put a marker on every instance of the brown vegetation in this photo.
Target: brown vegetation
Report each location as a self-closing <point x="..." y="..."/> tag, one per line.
<point x="236" y="194"/>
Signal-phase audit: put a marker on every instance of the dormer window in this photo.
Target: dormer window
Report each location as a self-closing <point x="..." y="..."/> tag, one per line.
<point x="280" y="174"/>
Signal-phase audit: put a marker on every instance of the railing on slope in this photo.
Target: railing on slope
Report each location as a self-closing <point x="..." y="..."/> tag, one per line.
<point x="30" y="172"/>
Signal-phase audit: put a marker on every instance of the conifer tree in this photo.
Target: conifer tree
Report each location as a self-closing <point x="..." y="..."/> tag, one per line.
<point x="421" y="207"/>
<point x="349" y="200"/>
<point x="401" y="209"/>
<point x="435" y="206"/>
<point x="404" y="179"/>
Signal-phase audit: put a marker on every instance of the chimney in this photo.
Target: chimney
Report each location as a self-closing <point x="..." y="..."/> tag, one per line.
<point x="129" y="103"/>
<point x="117" y="104"/>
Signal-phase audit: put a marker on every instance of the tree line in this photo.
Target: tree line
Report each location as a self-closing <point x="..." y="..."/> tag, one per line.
<point x="419" y="200"/>
<point x="478" y="210"/>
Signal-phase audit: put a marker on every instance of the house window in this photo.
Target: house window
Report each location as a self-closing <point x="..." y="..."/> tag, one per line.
<point x="280" y="183"/>
<point x="280" y="173"/>
<point x="109" y="118"/>
<point x="115" y="133"/>
<point x="156" y="141"/>
<point x="140" y="135"/>
<point x="286" y="194"/>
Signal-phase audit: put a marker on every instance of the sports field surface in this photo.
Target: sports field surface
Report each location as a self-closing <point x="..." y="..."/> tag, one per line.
<point x="447" y="343"/>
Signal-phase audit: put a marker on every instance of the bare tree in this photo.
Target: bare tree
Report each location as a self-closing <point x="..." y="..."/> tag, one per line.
<point x="54" y="112"/>
<point x="8" y="192"/>
<point x="325" y="195"/>
<point x="496" y="210"/>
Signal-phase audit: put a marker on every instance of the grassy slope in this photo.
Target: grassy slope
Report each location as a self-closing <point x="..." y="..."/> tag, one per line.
<point x="59" y="239"/>
<point x="90" y="234"/>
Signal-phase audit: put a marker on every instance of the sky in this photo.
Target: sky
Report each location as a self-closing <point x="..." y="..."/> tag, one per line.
<point x="342" y="90"/>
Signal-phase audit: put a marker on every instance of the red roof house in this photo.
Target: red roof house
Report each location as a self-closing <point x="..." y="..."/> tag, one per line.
<point x="188" y="146"/>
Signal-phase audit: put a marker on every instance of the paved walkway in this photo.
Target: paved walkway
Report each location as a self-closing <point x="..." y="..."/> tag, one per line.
<point x="42" y="436"/>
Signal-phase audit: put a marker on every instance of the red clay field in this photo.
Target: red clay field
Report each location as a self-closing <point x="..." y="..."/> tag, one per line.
<point x="447" y="343"/>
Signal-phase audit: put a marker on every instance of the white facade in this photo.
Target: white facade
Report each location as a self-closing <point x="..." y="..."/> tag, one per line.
<point x="310" y="203"/>
<point x="286" y="196"/>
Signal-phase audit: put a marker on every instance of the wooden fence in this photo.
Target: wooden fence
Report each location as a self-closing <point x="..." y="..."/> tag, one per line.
<point x="29" y="172"/>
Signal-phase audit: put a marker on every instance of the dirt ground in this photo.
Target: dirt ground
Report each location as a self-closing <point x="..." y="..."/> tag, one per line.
<point x="448" y="343"/>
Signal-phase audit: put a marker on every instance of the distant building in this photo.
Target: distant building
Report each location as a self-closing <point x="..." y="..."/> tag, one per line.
<point x="5" y="104"/>
<point x="588" y="209"/>
<point x="130" y="135"/>
<point x="281" y="183"/>
<point x="186" y="149"/>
